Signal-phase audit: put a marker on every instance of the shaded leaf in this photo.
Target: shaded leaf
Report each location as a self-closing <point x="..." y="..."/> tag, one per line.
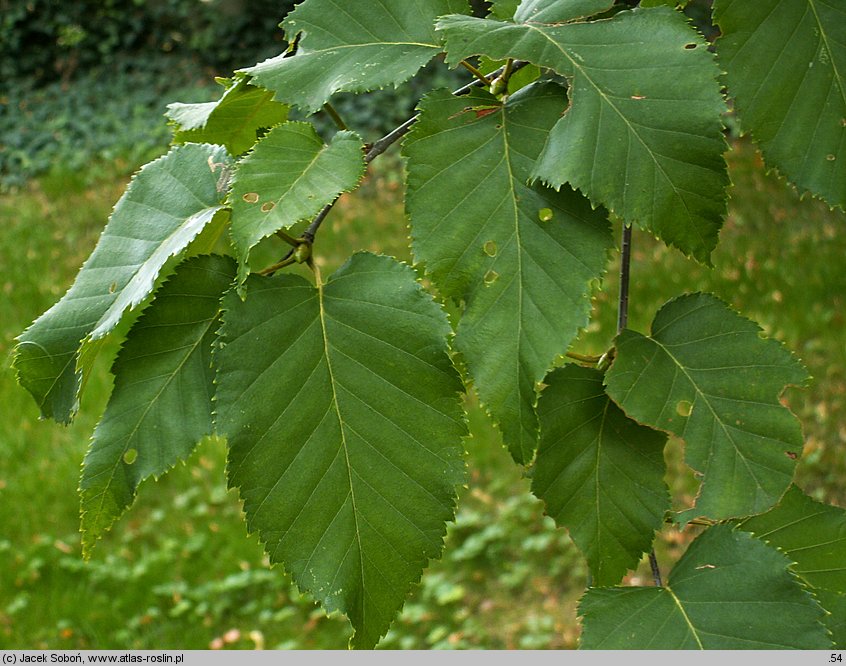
<point x="232" y="121"/>
<point x="835" y="604"/>
<point x="708" y="376"/>
<point x="352" y="47"/>
<point x="600" y="474"/>
<point x="161" y="404"/>
<point x="813" y="536"/>
<point x="520" y="257"/>
<point x="342" y="411"/>
<point x="785" y="63"/>
<point x="729" y="591"/>
<point x="167" y="204"/>
<point x="643" y="134"/>
<point x="810" y="533"/>
<point x="288" y="177"/>
<point x="504" y="9"/>
<point x="658" y="3"/>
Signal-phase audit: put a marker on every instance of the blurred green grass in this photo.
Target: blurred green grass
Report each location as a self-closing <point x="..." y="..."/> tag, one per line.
<point x="178" y="570"/>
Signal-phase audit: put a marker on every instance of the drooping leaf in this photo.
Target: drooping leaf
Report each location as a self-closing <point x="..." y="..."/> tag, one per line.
<point x="167" y="204"/>
<point x="231" y="121"/>
<point x="813" y="536"/>
<point x="520" y="257"/>
<point x="161" y="404"/>
<point x="643" y="134"/>
<point x="729" y="591"/>
<point x="353" y="47"/>
<point x="785" y="63"/>
<point x="600" y="474"/>
<point x="340" y="404"/>
<point x="708" y="376"/>
<point x="558" y="11"/>
<point x="288" y="177"/>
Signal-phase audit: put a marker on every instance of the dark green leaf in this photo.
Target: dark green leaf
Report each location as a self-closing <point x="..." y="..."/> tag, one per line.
<point x="231" y="121"/>
<point x="167" y="204"/>
<point x="504" y="9"/>
<point x="344" y="423"/>
<point x="520" y="257"/>
<point x="728" y="592"/>
<point x="708" y="376"/>
<point x="288" y="177"/>
<point x="600" y="474"/>
<point x="835" y="604"/>
<point x="643" y="134"/>
<point x="658" y="3"/>
<point x="353" y="47"/>
<point x="785" y="63"/>
<point x="811" y="534"/>
<point x="161" y="405"/>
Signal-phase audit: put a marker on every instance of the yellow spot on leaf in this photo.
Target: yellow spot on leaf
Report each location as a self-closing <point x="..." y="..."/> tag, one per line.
<point x="684" y="408"/>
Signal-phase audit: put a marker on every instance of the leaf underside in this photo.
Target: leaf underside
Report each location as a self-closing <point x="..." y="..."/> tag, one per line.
<point x="520" y="257"/>
<point x="352" y="47"/>
<point x="729" y="591"/>
<point x="785" y="63"/>
<point x="707" y="376"/>
<point x="600" y="474"/>
<point x="161" y="404"/>
<point x="232" y="121"/>
<point x="288" y="177"/>
<point x="341" y="409"/>
<point x="167" y="204"/>
<point x="643" y="135"/>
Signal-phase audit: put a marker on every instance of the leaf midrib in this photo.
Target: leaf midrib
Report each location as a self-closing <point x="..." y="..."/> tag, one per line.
<point x="690" y="626"/>
<point x="343" y="434"/>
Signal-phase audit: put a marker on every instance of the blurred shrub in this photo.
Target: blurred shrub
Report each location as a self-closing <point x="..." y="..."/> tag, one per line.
<point x="45" y="40"/>
<point x="109" y="113"/>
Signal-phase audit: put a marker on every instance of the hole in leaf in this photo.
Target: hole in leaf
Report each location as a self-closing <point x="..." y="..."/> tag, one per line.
<point x="545" y="214"/>
<point x="830" y="158"/>
<point x="267" y="206"/>
<point x="690" y="46"/>
<point x="130" y="456"/>
<point x="251" y="197"/>
<point x="491" y="277"/>
<point x="791" y="454"/>
<point x="684" y="408"/>
<point x="490" y="248"/>
<point x="113" y="287"/>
